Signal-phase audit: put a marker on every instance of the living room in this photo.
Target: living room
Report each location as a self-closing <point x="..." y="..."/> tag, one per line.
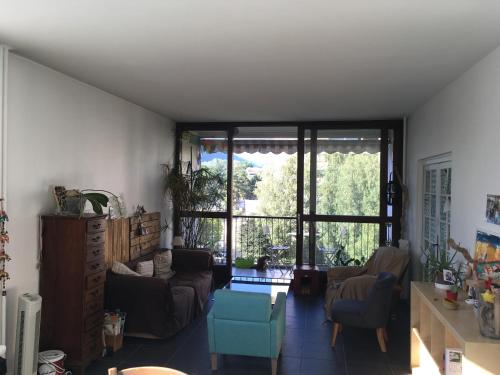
<point x="104" y="95"/>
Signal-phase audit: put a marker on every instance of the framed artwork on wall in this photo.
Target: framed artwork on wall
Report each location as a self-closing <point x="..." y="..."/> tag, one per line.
<point x="487" y="255"/>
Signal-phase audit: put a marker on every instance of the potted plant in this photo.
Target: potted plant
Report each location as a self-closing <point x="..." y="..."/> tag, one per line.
<point x="452" y="293"/>
<point x="192" y="193"/>
<point x="72" y="202"/>
<point x="436" y="262"/>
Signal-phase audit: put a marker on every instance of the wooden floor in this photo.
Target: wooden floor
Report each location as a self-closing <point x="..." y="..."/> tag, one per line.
<point x="306" y="348"/>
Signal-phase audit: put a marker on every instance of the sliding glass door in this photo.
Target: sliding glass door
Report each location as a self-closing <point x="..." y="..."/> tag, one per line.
<point x="321" y="193"/>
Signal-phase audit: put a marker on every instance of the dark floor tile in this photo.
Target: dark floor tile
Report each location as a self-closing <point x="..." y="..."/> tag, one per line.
<point x="100" y="367"/>
<point x="289" y="366"/>
<point x="311" y="366"/>
<point x="369" y="369"/>
<point x="400" y="370"/>
<point x="315" y="350"/>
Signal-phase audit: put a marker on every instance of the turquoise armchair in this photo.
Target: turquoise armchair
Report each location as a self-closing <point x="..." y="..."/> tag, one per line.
<point x="244" y="323"/>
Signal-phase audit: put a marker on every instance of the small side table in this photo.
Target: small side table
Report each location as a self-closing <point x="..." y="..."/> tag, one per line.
<point x="305" y="280"/>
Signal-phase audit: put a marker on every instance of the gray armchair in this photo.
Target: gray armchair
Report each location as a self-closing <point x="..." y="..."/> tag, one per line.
<point x="371" y="313"/>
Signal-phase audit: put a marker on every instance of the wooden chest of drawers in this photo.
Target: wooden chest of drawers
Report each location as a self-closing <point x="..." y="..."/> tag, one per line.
<point x="72" y="276"/>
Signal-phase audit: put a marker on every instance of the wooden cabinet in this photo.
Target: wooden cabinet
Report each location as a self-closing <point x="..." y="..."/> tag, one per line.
<point x="434" y="328"/>
<point x="72" y="276"/>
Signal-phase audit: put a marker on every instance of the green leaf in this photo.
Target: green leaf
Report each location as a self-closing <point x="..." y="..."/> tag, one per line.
<point x="96" y="206"/>
<point x="97" y="197"/>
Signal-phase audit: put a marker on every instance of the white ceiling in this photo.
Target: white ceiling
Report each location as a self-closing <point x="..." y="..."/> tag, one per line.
<point x="210" y="60"/>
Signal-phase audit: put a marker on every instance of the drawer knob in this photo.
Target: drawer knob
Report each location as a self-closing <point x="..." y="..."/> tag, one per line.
<point x="94" y="266"/>
<point x="97" y="238"/>
<point x="96" y="225"/>
<point x="96" y="252"/>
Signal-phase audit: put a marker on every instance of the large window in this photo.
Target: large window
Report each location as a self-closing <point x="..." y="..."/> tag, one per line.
<point x="304" y="190"/>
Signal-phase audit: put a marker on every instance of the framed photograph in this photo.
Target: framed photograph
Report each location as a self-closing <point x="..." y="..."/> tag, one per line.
<point x="448" y="276"/>
<point x="493" y="209"/>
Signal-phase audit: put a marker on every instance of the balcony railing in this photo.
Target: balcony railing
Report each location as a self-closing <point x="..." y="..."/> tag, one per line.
<point x="255" y="236"/>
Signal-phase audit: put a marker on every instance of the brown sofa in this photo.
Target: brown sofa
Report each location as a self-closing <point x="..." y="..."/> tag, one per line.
<point x="159" y="308"/>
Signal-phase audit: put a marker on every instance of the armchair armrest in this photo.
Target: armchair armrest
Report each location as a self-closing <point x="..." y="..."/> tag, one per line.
<point x="191" y="260"/>
<point x="211" y="331"/>
<point x="278" y="324"/>
<point x="147" y="301"/>
<point x="336" y="274"/>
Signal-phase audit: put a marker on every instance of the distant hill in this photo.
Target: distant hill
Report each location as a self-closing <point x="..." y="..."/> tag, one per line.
<point x="222" y="156"/>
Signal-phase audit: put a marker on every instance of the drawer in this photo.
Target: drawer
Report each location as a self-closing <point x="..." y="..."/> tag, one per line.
<point x="95" y="294"/>
<point x="92" y="344"/>
<point x="95" y="238"/>
<point x="94" y="252"/>
<point x="94" y="226"/>
<point x="92" y="336"/>
<point x="94" y="280"/>
<point x="97" y="265"/>
<point x="93" y="307"/>
<point x="93" y="321"/>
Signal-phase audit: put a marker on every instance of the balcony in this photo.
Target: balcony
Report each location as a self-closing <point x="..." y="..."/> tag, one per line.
<point x="337" y="243"/>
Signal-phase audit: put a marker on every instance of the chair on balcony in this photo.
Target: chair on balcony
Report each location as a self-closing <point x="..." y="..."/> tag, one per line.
<point x="245" y="323"/>
<point x="371" y="313"/>
<point x="353" y="282"/>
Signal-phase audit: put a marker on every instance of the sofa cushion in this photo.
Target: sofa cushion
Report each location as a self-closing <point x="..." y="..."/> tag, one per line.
<point x="163" y="264"/>
<point x="201" y="282"/>
<point x="145" y="268"/>
<point x="122" y="269"/>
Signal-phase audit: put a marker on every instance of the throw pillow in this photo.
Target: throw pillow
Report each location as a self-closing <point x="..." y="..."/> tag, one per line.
<point x="145" y="268"/>
<point x="122" y="269"/>
<point x="162" y="265"/>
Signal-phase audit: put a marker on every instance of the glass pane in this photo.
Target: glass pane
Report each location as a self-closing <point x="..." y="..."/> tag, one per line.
<point x="427" y="181"/>
<point x="348" y="172"/>
<point x="339" y="244"/>
<point x="265" y="171"/>
<point x="433" y="182"/>
<point x="203" y="160"/>
<point x="307" y="170"/>
<point x="427" y="205"/>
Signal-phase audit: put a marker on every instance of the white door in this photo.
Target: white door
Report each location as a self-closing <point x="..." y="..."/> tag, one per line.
<point x="437" y="205"/>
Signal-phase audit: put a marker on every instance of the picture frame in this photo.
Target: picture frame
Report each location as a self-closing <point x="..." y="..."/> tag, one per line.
<point x="493" y="209"/>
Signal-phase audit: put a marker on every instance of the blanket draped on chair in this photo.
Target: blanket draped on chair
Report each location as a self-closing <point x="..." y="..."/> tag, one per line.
<point x="355" y="282"/>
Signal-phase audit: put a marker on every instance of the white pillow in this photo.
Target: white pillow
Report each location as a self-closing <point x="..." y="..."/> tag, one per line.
<point x="163" y="264"/>
<point x="122" y="269"/>
<point x="145" y="268"/>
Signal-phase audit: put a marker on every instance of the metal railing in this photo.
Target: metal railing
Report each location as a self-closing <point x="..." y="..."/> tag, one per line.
<point x="256" y="236"/>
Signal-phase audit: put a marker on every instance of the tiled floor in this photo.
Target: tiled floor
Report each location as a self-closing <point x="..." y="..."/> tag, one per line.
<point x="306" y="349"/>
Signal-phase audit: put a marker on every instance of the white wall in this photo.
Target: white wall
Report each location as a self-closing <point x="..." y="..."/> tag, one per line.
<point x="62" y="131"/>
<point x="464" y="119"/>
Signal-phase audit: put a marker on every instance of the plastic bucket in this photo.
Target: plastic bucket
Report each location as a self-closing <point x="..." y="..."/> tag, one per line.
<point x="51" y="362"/>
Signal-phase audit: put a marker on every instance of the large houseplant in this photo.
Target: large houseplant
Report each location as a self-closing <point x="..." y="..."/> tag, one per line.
<point x="192" y="193"/>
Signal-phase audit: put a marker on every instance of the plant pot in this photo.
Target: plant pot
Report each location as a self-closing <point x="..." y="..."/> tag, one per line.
<point x="451" y="295"/>
<point x="74" y="205"/>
